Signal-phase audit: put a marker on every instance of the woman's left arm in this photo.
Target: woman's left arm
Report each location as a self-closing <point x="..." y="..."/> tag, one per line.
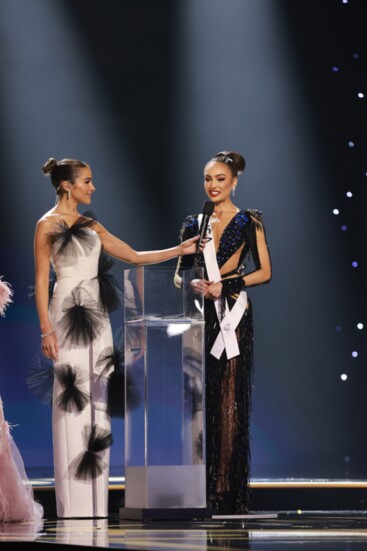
<point x="259" y="276"/>
<point x="263" y="272"/>
<point x="122" y="251"/>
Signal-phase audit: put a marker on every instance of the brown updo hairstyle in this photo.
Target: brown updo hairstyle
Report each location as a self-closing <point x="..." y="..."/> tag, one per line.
<point x="235" y="161"/>
<point x="66" y="169"/>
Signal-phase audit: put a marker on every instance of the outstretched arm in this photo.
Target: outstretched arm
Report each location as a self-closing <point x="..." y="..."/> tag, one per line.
<point x="122" y="251"/>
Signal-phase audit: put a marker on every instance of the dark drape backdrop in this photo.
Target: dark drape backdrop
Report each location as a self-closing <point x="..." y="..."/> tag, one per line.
<point x="146" y="92"/>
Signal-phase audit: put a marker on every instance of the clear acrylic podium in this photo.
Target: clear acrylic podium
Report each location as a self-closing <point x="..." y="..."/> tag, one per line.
<point x="164" y="402"/>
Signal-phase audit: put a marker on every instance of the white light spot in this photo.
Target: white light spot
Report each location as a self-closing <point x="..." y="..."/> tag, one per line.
<point x="349" y="194"/>
<point x="174" y="329"/>
<point x="360" y="94"/>
<point x="343" y="377"/>
<point x="351" y="144"/>
<point x="355" y="354"/>
<point x="359" y="325"/>
<point x="336" y="211"/>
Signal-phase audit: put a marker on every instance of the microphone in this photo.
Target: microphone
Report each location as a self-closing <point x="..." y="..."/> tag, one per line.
<point x="208" y="209"/>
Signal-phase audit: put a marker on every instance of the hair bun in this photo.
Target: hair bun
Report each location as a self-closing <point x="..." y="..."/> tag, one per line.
<point x="233" y="157"/>
<point x="49" y="165"/>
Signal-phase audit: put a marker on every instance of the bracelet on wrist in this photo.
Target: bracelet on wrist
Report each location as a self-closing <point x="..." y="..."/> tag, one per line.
<point x="47" y="334"/>
<point x="232" y="285"/>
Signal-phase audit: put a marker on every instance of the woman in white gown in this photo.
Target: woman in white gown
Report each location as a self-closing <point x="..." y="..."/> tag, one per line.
<point x="76" y="334"/>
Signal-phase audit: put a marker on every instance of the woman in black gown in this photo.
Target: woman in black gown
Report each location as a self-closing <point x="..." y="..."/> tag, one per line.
<point x="237" y="254"/>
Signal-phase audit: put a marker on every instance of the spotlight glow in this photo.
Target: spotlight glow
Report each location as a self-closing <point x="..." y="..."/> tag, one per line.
<point x="355" y="354"/>
<point x="355" y="264"/>
<point x="351" y="144"/>
<point x="360" y="95"/>
<point x="335" y="69"/>
<point x="344" y="376"/>
<point x="336" y="211"/>
<point x="174" y="329"/>
<point x="344" y="228"/>
<point x="360" y="326"/>
<point x="349" y="194"/>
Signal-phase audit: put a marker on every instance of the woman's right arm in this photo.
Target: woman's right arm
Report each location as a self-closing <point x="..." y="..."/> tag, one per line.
<point x="42" y="253"/>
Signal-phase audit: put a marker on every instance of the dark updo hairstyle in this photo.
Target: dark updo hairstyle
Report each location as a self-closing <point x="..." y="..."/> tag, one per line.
<point x="235" y="161"/>
<point x="66" y="169"/>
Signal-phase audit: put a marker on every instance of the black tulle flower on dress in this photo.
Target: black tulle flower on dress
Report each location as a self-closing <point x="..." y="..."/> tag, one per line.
<point x="113" y="358"/>
<point x="73" y="396"/>
<point x="81" y="323"/>
<point x="110" y="293"/>
<point x="68" y="240"/>
<point x="90" y="214"/>
<point x="40" y="379"/>
<point x="89" y="464"/>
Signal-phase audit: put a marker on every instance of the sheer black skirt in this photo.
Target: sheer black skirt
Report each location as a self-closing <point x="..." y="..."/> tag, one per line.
<point x="228" y="409"/>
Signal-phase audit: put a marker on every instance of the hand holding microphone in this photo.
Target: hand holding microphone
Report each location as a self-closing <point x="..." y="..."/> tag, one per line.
<point x="208" y="209"/>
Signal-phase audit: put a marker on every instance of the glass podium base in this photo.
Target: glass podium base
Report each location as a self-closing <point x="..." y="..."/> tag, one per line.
<point x="135" y="513"/>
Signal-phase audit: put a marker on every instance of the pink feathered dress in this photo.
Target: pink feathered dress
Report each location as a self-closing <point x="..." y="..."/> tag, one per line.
<point x="16" y="493"/>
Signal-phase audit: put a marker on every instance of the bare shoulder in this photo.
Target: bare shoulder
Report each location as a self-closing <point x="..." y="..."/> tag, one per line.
<point x="47" y="222"/>
<point x="99" y="228"/>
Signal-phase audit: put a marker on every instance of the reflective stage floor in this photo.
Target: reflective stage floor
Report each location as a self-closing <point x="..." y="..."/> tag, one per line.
<point x="316" y="531"/>
<point x="304" y="515"/>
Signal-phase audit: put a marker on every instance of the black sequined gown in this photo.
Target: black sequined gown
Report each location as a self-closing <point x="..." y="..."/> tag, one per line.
<point x="228" y="382"/>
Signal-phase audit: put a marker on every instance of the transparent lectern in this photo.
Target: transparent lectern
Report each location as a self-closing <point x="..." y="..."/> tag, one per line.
<point x="164" y="401"/>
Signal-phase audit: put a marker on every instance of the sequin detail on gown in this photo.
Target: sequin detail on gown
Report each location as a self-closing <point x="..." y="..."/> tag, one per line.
<point x="228" y="382"/>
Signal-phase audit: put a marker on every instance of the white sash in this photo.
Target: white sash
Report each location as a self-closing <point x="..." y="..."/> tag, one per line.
<point x="226" y="338"/>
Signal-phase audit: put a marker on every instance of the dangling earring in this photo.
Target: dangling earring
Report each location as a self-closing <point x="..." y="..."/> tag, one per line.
<point x="233" y="191"/>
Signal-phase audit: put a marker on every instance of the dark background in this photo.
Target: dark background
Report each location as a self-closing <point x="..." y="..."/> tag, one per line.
<point x="146" y="93"/>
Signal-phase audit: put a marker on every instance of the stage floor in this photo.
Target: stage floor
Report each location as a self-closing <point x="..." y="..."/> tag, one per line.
<point x="316" y="531"/>
<point x="311" y="515"/>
